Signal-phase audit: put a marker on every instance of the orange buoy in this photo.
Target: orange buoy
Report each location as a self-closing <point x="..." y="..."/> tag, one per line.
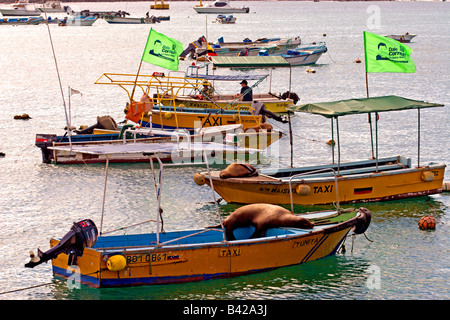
<point x="427" y="223"/>
<point x="358" y="60"/>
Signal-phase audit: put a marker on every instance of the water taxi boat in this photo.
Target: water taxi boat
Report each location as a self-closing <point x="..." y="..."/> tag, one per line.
<point x="230" y="142"/>
<point x="378" y="179"/>
<point x="219" y="7"/>
<point x="162" y="257"/>
<point x="186" y="91"/>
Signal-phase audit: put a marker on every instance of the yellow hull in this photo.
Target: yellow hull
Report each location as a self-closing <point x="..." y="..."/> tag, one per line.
<point x="389" y="185"/>
<point x="172" y="120"/>
<point x="271" y="104"/>
<point x="173" y="264"/>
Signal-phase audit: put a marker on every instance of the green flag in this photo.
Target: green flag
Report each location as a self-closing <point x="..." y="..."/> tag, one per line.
<point x="387" y="55"/>
<point x="162" y="51"/>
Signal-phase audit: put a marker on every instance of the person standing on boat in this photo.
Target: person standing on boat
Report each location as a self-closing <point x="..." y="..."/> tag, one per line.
<point x="247" y="96"/>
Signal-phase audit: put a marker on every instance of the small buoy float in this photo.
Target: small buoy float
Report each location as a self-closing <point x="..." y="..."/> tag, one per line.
<point x="427" y="176"/>
<point x="358" y="60"/>
<point x="446" y="186"/>
<point x="427" y="223"/>
<point x="199" y="179"/>
<point x="310" y="71"/>
<point x="168" y="115"/>
<point x="303" y="189"/>
<point x="331" y="142"/>
<point x="324" y="34"/>
<point x="116" y="263"/>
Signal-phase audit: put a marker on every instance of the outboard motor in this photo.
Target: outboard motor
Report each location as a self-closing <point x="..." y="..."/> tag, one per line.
<point x="83" y="234"/>
<point x="259" y="109"/>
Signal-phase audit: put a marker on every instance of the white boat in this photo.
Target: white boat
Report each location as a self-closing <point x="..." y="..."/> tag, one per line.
<point x="21" y="21"/>
<point x="20" y="8"/>
<point x="131" y="20"/>
<point x="304" y="55"/>
<point x="225" y="20"/>
<point x="402" y="37"/>
<point x="271" y="45"/>
<point x="78" y="21"/>
<point x="220" y="7"/>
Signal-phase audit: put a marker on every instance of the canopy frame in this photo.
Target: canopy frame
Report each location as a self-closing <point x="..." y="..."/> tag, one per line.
<point x="336" y="109"/>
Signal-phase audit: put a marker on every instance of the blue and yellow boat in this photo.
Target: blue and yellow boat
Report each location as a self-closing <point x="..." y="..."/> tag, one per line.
<point x="88" y="255"/>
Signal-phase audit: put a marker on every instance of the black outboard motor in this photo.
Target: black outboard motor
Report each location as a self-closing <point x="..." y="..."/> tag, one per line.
<point x="83" y="234"/>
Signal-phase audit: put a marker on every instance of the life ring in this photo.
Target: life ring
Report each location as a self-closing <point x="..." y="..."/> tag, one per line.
<point x="363" y="219"/>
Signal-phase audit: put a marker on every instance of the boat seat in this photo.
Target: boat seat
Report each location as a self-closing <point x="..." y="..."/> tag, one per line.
<point x="245" y="233"/>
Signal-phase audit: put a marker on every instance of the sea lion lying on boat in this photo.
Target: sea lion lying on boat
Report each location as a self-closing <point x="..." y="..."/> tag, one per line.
<point x="238" y="170"/>
<point x="263" y="126"/>
<point x="263" y="216"/>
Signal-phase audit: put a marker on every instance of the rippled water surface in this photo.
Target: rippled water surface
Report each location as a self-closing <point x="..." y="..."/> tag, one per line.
<point x="38" y="201"/>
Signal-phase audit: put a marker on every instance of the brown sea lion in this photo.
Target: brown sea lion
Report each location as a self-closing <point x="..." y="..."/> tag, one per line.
<point x="263" y="216"/>
<point x="238" y="170"/>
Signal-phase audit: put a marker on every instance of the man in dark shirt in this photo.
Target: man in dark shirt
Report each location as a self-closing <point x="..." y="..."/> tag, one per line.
<point x="249" y="95"/>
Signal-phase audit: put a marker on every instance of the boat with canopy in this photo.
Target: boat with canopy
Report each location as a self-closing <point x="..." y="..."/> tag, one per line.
<point x="377" y="179"/>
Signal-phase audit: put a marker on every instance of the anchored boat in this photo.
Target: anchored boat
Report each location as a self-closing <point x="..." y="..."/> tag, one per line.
<point x="162" y="257"/>
<point x="305" y="54"/>
<point x="226" y="143"/>
<point x="405" y="38"/>
<point x="21" y="21"/>
<point x="20" y="8"/>
<point x="188" y="91"/>
<point x="220" y="6"/>
<point x="378" y="179"/>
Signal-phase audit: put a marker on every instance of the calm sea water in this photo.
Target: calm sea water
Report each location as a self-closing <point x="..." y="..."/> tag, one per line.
<point x="38" y="201"/>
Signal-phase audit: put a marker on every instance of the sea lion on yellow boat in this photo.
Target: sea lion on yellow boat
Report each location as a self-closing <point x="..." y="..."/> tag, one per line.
<point x="263" y="216"/>
<point x="238" y="170"/>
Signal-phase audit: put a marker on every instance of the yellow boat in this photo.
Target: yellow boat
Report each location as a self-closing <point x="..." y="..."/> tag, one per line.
<point x="360" y="181"/>
<point x="88" y="255"/>
<point x="186" y="90"/>
<point x="271" y="103"/>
